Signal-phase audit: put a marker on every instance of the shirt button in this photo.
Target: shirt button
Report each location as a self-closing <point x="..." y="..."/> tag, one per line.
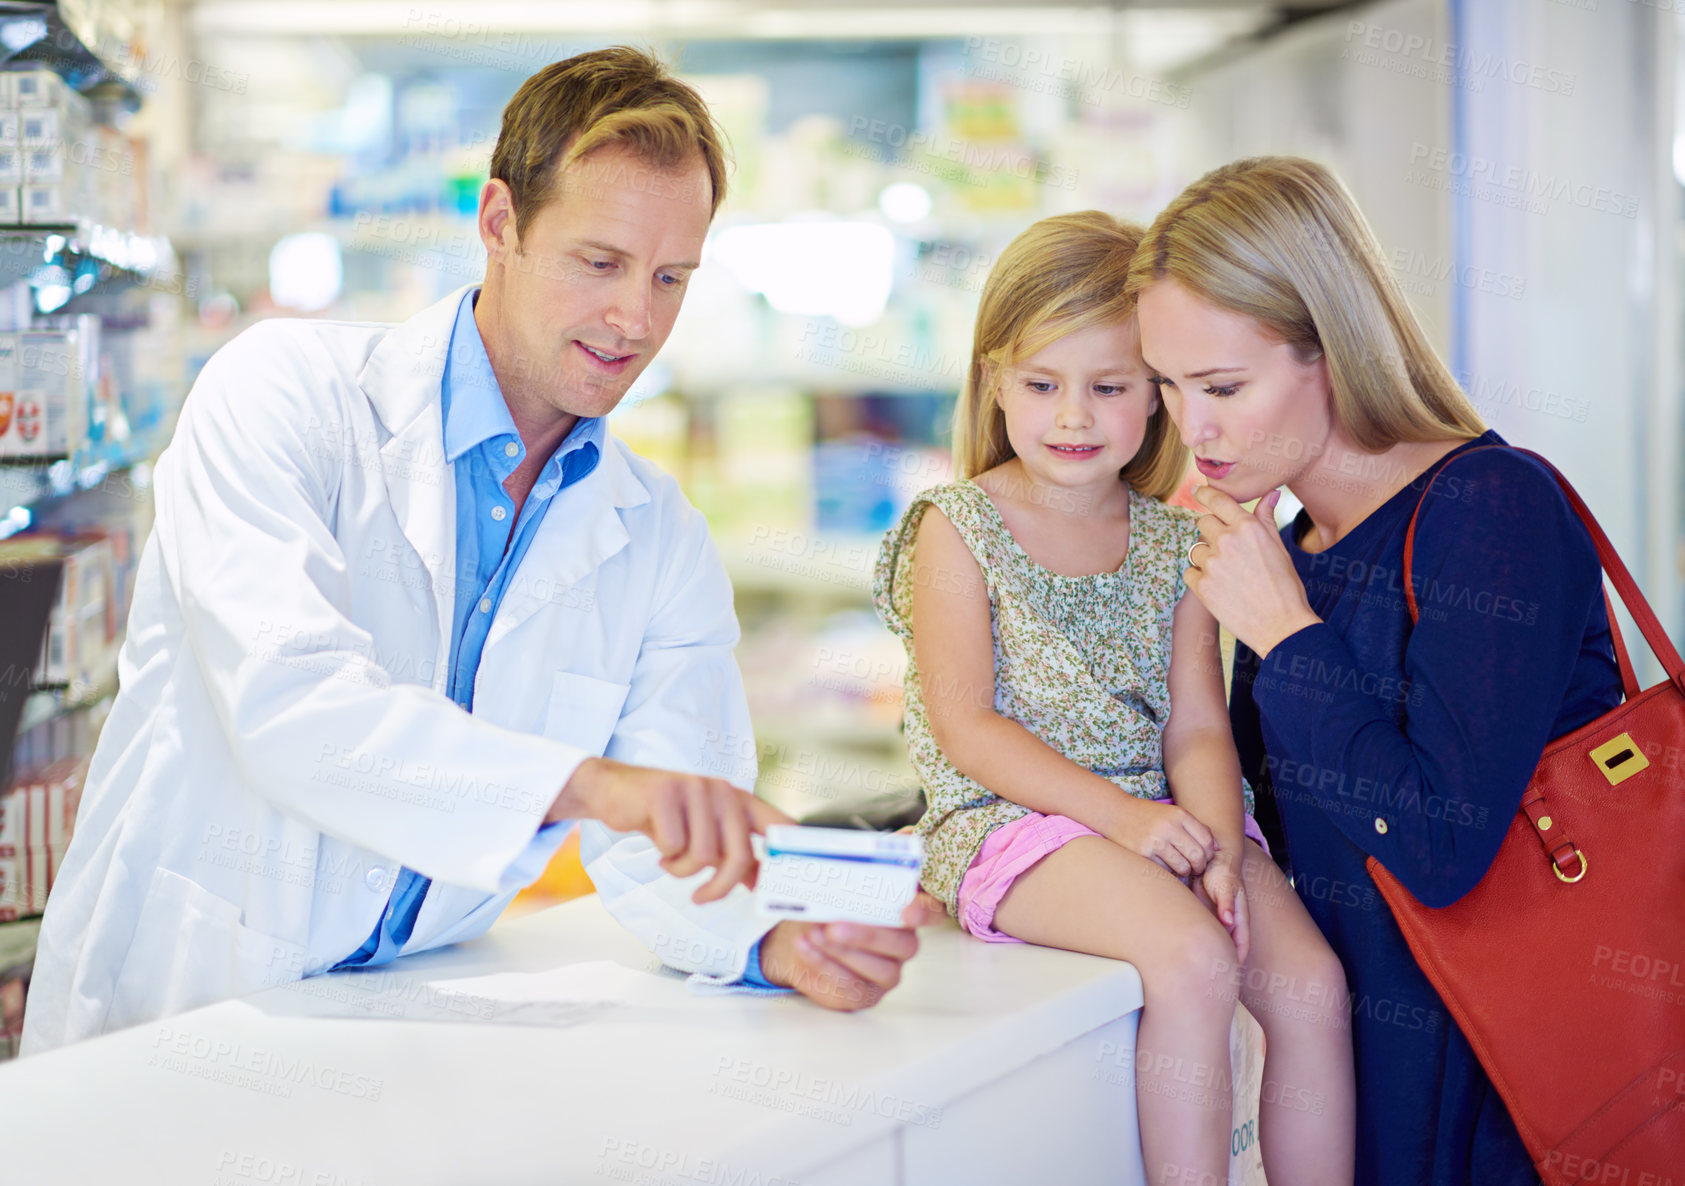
<point x="485" y="605"/>
<point x="511" y="449"/>
<point x="1381" y="825"/>
<point x="375" y="878"/>
<point x="499" y="514"/>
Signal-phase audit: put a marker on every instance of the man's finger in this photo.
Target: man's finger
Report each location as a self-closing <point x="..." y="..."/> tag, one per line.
<point x="701" y="842"/>
<point x="822" y="979"/>
<point x="894" y="942"/>
<point x="666" y="820"/>
<point x="879" y="970"/>
<point x="731" y="820"/>
<point x="762" y="814"/>
<point x="923" y="911"/>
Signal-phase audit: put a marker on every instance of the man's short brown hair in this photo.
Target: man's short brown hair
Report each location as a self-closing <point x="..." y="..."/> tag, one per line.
<point x="609" y="96"/>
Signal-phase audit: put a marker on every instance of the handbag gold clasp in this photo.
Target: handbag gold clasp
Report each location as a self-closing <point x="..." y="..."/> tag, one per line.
<point x="1620" y="759"/>
<point x="1563" y="876"/>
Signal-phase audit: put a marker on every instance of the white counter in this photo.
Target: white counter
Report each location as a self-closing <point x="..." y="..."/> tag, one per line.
<point x="990" y="1063"/>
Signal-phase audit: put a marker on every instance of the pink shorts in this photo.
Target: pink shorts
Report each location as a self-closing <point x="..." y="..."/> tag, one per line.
<point x="1010" y="851"/>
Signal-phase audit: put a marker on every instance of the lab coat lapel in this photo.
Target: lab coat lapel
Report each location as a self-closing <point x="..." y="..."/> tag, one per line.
<point x="581" y="530"/>
<point x="402" y="381"/>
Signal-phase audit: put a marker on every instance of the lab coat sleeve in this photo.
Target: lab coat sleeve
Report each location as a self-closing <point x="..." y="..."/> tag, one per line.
<point x="685" y="711"/>
<point x="246" y="494"/>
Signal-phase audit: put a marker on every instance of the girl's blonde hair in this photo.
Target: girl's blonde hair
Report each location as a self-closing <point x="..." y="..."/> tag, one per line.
<point x="1280" y="240"/>
<point x="1064" y="274"/>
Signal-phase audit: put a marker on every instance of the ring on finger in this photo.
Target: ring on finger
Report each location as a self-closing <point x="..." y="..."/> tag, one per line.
<point x="1191" y="548"/>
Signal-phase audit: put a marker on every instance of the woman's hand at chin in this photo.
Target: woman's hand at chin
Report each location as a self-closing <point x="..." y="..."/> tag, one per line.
<point x="1242" y="573"/>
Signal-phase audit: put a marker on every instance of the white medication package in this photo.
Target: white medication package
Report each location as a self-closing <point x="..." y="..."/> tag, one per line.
<point x="837" y="874"/>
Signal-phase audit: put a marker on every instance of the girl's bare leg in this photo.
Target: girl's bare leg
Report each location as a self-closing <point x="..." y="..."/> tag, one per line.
<point x="1294" y="985"/>
<point x="1094" y="896"/>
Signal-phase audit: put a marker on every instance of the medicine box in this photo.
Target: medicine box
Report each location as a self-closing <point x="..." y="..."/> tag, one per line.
<point x="42" y="164"/>
<point x="36" y="87"/>
<point x="837" y="874"/>
<point x="40" y="129"/>
<point x="49" y="403"/>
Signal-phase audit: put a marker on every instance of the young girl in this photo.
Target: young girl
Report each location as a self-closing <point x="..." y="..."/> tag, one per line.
<point x="1065" y="710"/>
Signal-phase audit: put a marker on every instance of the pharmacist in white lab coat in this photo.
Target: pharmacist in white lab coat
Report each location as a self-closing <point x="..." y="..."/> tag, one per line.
<point x="288" y="781"/>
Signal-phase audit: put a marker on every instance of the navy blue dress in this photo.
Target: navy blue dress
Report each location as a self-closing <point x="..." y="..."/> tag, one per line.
<point x="1414" y="746"/>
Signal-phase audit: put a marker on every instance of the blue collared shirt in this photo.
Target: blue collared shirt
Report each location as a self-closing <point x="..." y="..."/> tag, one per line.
<point x="484" y="448"/>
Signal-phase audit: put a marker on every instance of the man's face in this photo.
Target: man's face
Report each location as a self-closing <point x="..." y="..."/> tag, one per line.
<point x="590" y="296"/>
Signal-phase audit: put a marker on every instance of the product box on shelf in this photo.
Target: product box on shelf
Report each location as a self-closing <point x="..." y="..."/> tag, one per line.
<point x="80" y="648"/>
<point x="43" y="128"/>
<point x="80" y="644"/>
<point x="12" y="813"/>
<point x="48" y="412"/>
<point x="36" y="86"/>
<point x="14" y="889"/>
<point x="62" y="150"/>
<point x="42" y="166"/>
<point x="38" y="814"/>
<point x="55" y="201"/>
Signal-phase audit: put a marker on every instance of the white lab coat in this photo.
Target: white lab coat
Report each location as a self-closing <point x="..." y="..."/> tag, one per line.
<point x="282" y="742"/>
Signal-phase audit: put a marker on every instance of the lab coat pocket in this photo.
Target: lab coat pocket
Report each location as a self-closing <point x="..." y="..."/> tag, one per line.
<point x="190" y="949"/>
<point x="584" y="710"/>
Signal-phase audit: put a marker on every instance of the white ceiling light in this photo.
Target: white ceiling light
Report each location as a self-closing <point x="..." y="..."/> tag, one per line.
<point x="904" y="201"/>
<point x="815" y="269"/>
<point x="305" y="272"/>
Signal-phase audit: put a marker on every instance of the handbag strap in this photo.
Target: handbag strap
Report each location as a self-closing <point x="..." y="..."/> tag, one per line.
<point x="1625" y="587"/>
<point x="1629" y="677"/>
<point x="1552" y="834"/>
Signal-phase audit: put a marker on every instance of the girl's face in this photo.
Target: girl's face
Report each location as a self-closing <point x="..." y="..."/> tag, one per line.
<point x="1254" y="415"/>
<point x="1076" y="411"/>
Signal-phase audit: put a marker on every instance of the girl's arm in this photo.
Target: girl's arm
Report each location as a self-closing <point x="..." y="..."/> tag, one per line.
<point x="953" y="645"/>
<point x="1199" y="752"/>
<point x="1201" y="764"/>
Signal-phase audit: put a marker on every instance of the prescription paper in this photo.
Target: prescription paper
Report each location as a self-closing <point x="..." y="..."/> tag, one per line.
<point x="567" y="996"/>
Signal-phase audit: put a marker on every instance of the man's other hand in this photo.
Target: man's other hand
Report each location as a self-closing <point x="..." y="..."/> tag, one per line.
<point x="845" y="965"/>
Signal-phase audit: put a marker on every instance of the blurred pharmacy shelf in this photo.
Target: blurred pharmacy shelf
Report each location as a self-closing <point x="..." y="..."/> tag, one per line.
<point x="42" y="33"/>
<point x="90" y="383"/>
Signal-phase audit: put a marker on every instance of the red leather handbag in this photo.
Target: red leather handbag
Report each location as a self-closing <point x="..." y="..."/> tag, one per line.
<point x="1565" y="965"/>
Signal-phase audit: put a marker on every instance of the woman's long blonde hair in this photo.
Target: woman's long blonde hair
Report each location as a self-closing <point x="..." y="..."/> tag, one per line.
<point x="1064" y="274"/>
<point x="1279" y="239"/>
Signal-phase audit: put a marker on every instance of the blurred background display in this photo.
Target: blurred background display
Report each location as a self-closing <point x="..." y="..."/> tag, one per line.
<point x="172" y="171"/>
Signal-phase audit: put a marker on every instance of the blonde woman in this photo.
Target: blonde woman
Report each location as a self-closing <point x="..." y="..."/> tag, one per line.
<point x="1287" y="357"/>
<point x="1065" y="711"/>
